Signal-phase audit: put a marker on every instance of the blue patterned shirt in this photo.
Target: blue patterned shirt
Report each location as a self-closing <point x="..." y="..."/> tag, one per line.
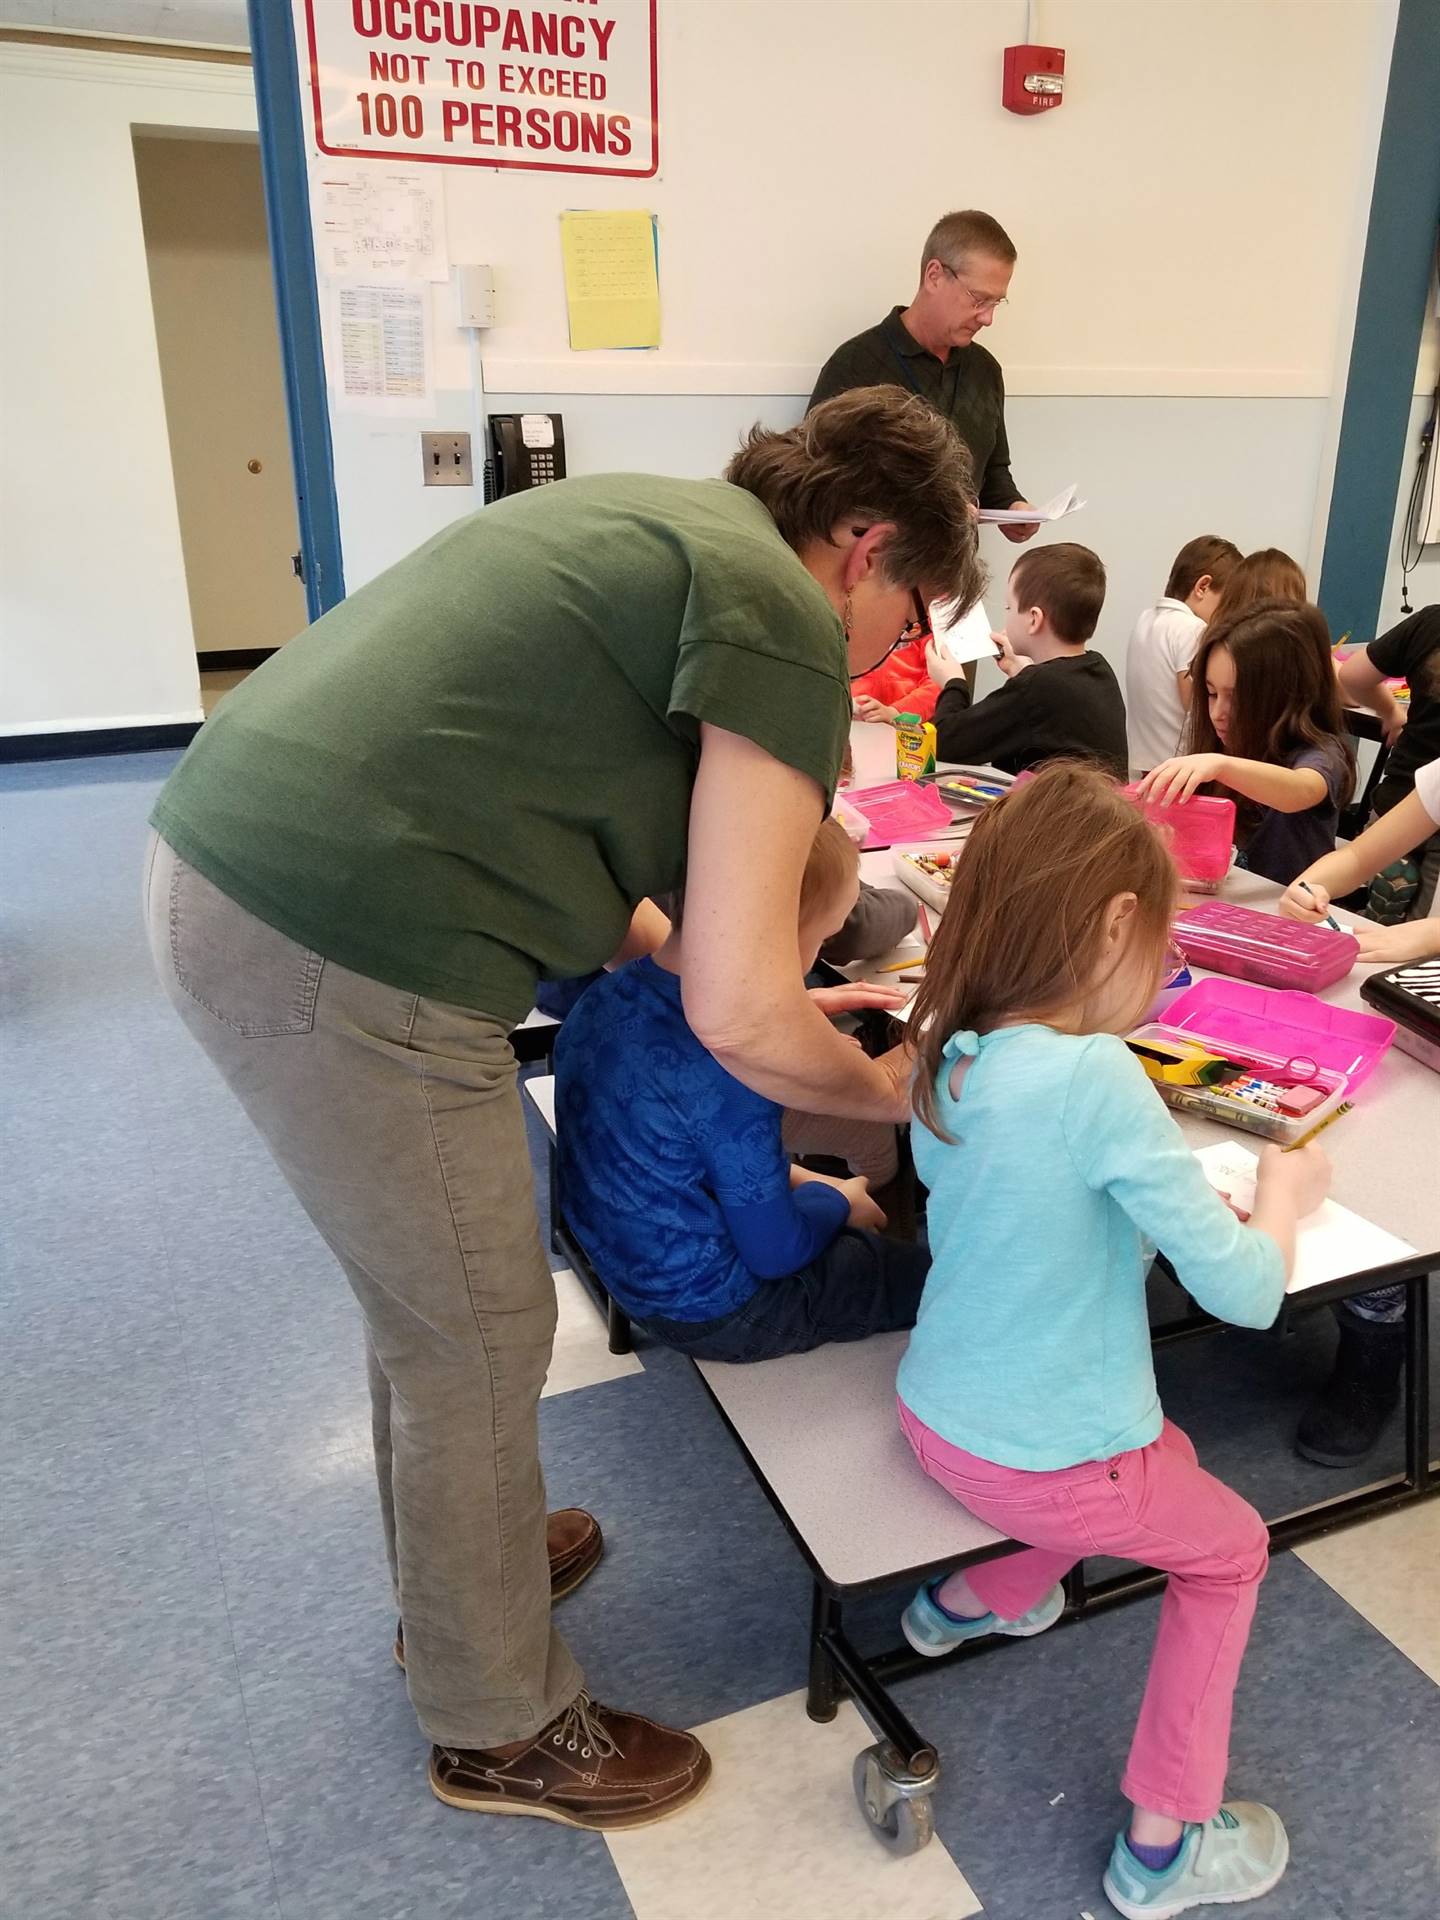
<point x="674" y="1177"/>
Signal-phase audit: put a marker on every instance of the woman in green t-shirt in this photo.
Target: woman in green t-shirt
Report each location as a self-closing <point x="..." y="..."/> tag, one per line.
<point x="378" y="846"/>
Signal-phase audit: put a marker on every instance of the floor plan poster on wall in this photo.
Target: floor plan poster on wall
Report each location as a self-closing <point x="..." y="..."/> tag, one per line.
<point x="566" y="88"/>
<point x="378" y="222"/>
<point x="381" y="349"/>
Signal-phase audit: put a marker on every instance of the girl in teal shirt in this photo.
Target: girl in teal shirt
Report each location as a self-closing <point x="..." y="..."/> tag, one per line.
<point x="1028" y="1389"/>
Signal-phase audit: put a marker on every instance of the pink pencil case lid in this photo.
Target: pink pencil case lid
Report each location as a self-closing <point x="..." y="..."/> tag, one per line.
<point x="1261" y="1021"/>
<point x="1261" y="947"/>
<point x="900" y="810"/>
<point x="1200" y="834"/>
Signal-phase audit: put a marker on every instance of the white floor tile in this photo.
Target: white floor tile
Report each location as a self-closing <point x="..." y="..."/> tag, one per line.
<point x="582" y="1357"/>
<point x="1386" y="1570"/>
<point x="777" y="1834"/>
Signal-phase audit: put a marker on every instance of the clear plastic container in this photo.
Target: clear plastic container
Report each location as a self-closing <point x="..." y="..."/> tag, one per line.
<point x="1200" y="834"/>
<point x="1262" y="948"/>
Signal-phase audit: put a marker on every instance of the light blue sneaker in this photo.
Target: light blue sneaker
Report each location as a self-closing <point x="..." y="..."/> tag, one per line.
<point x="1237" y="1856"/>
<point x="932" y="1632"/>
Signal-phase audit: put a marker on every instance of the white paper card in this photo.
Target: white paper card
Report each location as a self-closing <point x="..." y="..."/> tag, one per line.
<point x="537" y="430"/>
<point x="1054" y="509"/>
<point x="962" y="637"/>
<point x="1330" y="1244"/>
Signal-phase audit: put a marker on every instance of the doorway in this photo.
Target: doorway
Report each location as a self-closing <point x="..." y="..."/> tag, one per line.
<point x="203" y="211"/>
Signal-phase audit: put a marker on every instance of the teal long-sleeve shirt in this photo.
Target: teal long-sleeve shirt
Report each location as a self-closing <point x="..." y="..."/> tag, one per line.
<point x="1032" y="1347"/>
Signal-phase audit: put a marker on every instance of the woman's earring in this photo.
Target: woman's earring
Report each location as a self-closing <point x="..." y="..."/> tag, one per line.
<point x="846" y="616"/>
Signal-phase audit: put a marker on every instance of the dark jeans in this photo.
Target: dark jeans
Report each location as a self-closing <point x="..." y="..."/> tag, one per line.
<point x="863" y="1283"/>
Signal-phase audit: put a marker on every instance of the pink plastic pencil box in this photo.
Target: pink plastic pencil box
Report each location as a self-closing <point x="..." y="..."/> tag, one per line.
<point x="1292" y="1036"/>
<point x="900" y="810"/>
<point x="1200" y="834"/>
<point x="1259" y="947"/>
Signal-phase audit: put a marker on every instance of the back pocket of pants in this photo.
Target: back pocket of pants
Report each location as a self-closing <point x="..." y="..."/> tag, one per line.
<point x="252" y="978"/>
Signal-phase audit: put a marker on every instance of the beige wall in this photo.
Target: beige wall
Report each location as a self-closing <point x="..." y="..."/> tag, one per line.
<point x="204" y="218"/>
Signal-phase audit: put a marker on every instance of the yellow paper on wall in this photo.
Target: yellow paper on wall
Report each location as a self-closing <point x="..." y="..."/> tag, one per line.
<point x="612" y="288"/>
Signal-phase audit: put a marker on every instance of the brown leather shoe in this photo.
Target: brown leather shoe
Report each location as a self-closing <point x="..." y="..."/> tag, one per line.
<point x="576" y="1547"/>
<point x="591" y="1767"/>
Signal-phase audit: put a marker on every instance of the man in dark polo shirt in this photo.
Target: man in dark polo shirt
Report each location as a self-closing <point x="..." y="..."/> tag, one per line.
<point x="931" y="348"/>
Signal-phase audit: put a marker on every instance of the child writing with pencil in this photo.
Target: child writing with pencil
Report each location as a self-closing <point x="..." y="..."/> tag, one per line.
<point x="1266" y="726"/>
<point x="1348" y="1415"/>
<point x="1028" y="1389"/>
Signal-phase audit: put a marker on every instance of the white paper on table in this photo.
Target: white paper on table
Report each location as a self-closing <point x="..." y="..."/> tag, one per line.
<point x="1330" y="1244"/>
<point x="962" y="637"/>
<point x="1055" y="509"/>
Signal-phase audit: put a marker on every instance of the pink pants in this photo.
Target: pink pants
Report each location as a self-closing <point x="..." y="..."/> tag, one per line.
<point x="1158" y="1506"/>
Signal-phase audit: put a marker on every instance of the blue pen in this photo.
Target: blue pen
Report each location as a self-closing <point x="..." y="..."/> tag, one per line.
<point x="1330" y="920"/>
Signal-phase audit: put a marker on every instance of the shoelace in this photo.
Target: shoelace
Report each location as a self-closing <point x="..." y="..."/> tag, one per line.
<point x="580" y="1730"/>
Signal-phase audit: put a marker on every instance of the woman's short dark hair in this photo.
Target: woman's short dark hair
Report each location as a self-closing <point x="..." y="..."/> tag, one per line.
<point x="874" y="454"/>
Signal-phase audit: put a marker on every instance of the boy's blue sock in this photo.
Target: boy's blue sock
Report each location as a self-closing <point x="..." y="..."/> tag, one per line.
<point x="1155" y="1858"/>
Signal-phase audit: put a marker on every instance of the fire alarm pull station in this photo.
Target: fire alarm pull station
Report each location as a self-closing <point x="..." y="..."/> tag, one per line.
<point x="1034" y="79"/>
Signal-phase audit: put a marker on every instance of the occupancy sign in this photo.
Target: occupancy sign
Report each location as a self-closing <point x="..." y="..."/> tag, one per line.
<point x="564" y="88"/>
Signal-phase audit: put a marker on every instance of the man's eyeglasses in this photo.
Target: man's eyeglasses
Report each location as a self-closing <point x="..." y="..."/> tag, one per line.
<point x="982" y="302"/>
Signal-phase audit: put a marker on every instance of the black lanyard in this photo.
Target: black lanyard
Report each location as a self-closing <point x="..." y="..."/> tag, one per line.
<point x="904" y="365"/>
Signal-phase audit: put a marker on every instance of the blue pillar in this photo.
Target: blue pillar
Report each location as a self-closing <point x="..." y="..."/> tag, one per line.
<point x="1389" y="318"/>
<point x="297" y="300"/>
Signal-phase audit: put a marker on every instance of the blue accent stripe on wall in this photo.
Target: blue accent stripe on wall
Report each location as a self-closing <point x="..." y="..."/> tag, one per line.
<point x="292" y="254"/>
<point x="1389" y="318"/>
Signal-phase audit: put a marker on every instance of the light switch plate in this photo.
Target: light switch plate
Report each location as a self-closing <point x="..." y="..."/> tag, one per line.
<point x="447" y="459"/>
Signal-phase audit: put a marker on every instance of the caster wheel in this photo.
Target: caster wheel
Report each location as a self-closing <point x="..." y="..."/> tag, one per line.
<point x="902" y="1821"/>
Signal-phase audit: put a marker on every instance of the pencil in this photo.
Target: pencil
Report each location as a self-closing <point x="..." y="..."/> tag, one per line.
<point x="1306" y="1138"/>
<point x="899" y="966"/>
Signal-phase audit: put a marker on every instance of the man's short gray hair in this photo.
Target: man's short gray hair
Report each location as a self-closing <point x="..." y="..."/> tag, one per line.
<point x="958" y="235"/>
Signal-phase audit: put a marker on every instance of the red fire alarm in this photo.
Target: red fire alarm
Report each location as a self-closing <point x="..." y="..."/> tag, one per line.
<point x="1034" y="79"/>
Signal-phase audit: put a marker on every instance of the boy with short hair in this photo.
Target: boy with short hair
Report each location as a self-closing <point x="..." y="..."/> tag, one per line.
<point x="675" y="1180"/>
<point x="1157" y="667"/>
<point x="1059" y="701"/>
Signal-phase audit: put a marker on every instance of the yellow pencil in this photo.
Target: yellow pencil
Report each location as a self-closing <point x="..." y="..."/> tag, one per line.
<point x="899" y="966"/>
<point x="1306" y="1138"/>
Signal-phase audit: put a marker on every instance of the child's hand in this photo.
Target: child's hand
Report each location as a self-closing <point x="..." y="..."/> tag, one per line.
<point x="1396" y="946"/>
<point x="863" y="1211"/>
<point x="867" y="708"/>
<point x="855" y="999"/>
<point x="1307" y="901"/>
<point x="1302" y="1175"/>
<point x="1177" y="779"/>
<point x="940" y="667"/>
<point x="1009" y="662"/>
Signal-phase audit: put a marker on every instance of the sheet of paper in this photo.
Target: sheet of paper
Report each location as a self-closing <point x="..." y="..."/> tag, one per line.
<point x="1330" y="1244"/>
<point x="382" y="348"/>
<point x="963" y="636"/>
<point x="1054" y="509"/>
<point x="376" y="223"/>
<point x="612" y="285"/>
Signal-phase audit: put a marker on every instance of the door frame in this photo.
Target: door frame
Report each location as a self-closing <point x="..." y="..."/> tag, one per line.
<point x="285" y="171"/>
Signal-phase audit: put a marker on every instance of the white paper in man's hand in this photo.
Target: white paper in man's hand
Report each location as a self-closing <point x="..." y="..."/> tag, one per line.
<point x="1056" y="509"/>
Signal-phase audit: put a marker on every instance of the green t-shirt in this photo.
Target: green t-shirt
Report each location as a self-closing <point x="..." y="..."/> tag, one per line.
<point x="466" y="775"/>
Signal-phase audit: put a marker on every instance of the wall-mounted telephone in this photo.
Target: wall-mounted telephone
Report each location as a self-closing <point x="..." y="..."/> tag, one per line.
<point x="527" y="450"/>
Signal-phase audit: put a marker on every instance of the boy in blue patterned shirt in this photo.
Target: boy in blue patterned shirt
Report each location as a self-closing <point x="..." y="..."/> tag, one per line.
<point x="676" y="1182"/>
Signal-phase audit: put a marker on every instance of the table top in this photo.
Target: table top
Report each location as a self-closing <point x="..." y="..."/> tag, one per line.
<point x="823" y="1432"/>
<point x="1386" y="1153"/>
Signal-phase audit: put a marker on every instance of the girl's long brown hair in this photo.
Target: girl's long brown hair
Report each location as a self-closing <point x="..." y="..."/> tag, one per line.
<point x="1267" y="574"/>
<point x="1286" y="695"/>
<point x="1023" y="935"/>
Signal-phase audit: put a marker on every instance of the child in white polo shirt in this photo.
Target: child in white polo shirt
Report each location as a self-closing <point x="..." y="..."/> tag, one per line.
<point x="1157" y="667"/>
